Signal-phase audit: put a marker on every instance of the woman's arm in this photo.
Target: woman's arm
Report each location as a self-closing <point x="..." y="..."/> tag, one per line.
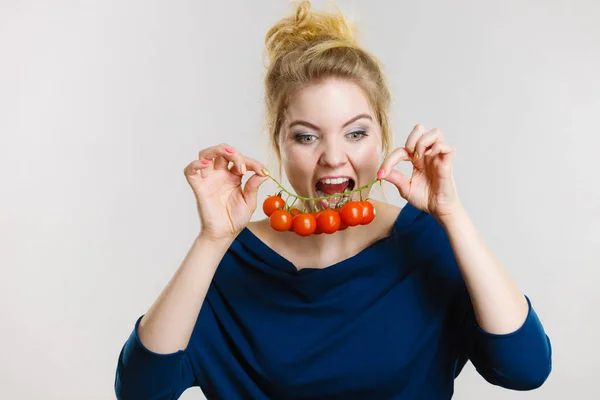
<point x="154" y="362"/>
<point x="500" y="306"/>
<point x="168" y="324"/>
<point x="501" y="334"/>
<point x="508" y="346"/>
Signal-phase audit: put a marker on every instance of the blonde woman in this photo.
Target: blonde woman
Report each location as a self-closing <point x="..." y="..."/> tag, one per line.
<point x="392" y="309"/>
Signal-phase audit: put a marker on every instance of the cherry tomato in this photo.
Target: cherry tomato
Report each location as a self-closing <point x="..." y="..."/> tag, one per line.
<point x="352" y="213"/>
<point x="315" y="214"/>
<point x="294" y="211"/>
<point x="304" y="224"/>
<point x="280" y="220"/>
<point x="329" y="221"/>
<point x="271" y="204"/>
<point x="368" y="212"/>
<point x="343" y="225"/>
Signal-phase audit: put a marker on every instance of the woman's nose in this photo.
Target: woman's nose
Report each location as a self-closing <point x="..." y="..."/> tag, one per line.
<point x="333" y="156"/>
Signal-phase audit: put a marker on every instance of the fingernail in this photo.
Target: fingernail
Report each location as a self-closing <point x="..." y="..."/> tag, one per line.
<point x="428" y="152"/>
<point x="380" y="173"/>
<point x="229" y="150"/>
<point x="205" y="161"/>
<point x="243" y="168"/>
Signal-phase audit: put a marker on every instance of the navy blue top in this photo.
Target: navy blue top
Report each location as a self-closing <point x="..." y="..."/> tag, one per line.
<point x="394" y="321"/>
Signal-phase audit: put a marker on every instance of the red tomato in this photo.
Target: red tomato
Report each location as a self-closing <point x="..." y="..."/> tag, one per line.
<point x="343" y="225"/>
<point x="351" y="213"/>
<point x="271" y="204"/>
<point x="329" y="221"/>
<point x="315" y="214"/>
<point x="368" y="214"/>
<point x="280" y="220"/>
<point x="294" y="211"/>
<point x="304" y="224"/>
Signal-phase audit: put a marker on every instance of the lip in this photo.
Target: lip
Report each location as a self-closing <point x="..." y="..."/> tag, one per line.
<point x="334" y="177"/>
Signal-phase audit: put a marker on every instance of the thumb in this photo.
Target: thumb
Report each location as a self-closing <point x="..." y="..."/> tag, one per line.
<point x="400" y="181"/>
<point x="251" y="189"/>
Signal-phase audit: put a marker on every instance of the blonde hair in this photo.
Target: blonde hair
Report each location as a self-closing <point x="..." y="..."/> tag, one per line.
<point x="308" y="47"/>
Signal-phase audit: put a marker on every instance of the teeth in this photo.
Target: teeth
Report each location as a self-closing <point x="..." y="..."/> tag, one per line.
<point x="329" y="181"/>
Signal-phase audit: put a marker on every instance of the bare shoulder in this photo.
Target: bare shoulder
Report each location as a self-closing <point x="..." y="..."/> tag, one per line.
<point x="262" y="229"/>
<point x="386" y="212"/>
<point x="258" y="225"/>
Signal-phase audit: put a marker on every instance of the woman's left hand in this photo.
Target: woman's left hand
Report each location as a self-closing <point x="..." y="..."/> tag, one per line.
<point x="431" y="187"/>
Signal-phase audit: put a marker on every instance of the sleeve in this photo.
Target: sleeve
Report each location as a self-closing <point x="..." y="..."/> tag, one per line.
<point x="521" y="360"/>
<point x="144" y="375"/>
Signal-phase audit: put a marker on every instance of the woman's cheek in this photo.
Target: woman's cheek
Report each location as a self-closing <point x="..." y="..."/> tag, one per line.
<point x="298" y="166"/>
<point x="368" y="157"/>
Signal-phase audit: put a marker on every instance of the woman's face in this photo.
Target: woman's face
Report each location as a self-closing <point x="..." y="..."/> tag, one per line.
<point x="330" y="140"/>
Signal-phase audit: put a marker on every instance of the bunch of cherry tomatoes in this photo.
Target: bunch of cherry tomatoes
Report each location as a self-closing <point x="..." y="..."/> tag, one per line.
<point x="283" y="218"/>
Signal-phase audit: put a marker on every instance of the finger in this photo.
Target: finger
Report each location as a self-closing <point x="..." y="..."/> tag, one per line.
<point x="230" y="154"/>
<point x="256" y="166"/>
<point x="414" y="137"/>
<point x="440" y="148"/>
<point x="196" y="167"/>
<point x="235" y="159"/>
<point x="250" y="164"/>
<point x="425" y="141"/>
<point x="251" y="189"/>
<point x="400" y="181"/>
<point x="445" y="153"/>
<point x="221" y="163"/>
<point x="395" y="157"/>
<point x="223" y="155"/>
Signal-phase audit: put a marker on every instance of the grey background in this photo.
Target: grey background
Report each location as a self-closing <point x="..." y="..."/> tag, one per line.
<point x="103" y="103"/>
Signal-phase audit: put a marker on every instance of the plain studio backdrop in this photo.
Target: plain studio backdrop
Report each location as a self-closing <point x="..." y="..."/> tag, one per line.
<point x="103" y="103"/>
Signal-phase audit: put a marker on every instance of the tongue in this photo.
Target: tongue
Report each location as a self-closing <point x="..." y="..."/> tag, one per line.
<point x="331" y="188"/>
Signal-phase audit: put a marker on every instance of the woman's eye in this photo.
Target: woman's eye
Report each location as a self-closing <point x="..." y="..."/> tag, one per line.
<point x="305" y="138"/>
<point x="357" y="135"/>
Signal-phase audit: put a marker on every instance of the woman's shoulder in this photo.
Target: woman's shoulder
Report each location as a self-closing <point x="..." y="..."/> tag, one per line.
<point x="260" y="228"/>
<point x="387" y="211"/>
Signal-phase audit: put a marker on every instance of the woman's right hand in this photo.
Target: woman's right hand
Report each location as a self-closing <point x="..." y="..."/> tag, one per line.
<point x="223" y="206"/>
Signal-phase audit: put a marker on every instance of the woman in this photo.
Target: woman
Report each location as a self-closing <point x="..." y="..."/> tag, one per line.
<point x="388" y="310"/>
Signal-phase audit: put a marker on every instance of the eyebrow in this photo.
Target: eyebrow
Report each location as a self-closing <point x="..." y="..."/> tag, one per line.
<point x="312" y="126"/>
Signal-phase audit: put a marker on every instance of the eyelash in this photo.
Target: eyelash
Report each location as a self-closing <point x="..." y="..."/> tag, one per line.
<point x="301" y="136"/>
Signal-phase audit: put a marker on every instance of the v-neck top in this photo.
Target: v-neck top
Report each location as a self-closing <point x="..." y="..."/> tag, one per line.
<point x="394" y="321"/>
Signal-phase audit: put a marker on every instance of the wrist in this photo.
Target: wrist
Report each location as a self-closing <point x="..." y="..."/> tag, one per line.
<point x="206" y="238"/>
<point x="454" y="217"/>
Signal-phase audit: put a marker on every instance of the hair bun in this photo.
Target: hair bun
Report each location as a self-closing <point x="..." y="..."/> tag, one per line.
<point x="304" y="28"/>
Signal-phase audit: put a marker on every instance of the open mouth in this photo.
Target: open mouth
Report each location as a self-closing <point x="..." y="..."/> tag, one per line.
<point x="332" y="186"/>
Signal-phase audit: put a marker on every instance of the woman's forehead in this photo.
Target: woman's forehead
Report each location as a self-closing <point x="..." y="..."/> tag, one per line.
<point x="331" y="102"/>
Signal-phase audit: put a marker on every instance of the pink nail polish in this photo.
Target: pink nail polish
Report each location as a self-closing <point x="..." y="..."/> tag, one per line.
<point x="229" y="150"/>
<point x="205" y="162"/>
<point x="380" y="173"/>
